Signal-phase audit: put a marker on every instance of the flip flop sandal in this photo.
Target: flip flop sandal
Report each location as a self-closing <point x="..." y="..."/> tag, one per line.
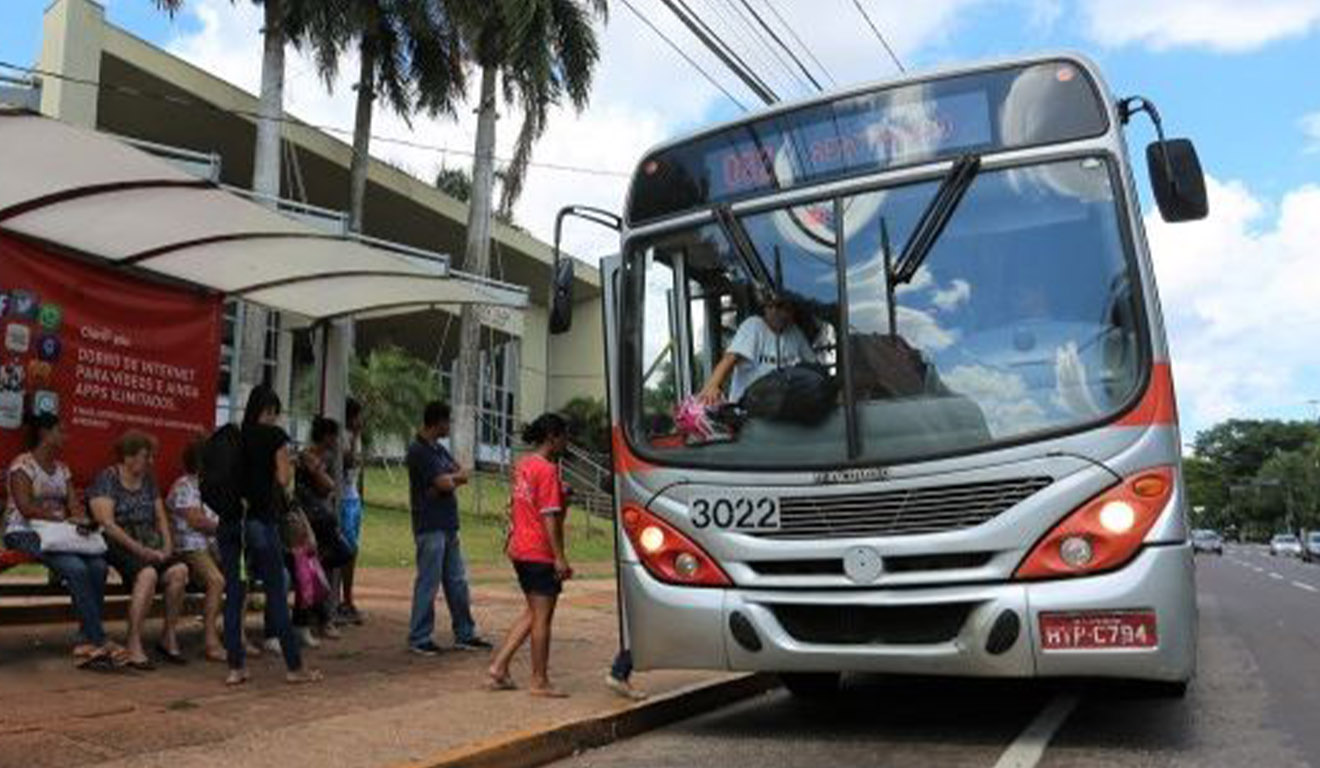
<point x="101" y="662"/>
<point x="501" y="684"/>
<point x="236" y="678"/>
<point x="173" y="658"/>
<point x="141" y="666"/>
<point x="304" y="677"/>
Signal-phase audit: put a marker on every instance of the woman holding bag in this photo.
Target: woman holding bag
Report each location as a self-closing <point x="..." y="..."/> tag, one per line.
<point x="127" y="504"/>
<point x="42" y="496"/>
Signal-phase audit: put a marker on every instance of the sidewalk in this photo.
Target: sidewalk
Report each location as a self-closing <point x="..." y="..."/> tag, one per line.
<point x="380" y="705"/>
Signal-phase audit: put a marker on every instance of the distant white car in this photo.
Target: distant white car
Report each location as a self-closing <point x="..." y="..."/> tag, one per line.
<point x="1311" y="547"/>
<point x="1207" y="541"/>
<point x="1286" y="544"/>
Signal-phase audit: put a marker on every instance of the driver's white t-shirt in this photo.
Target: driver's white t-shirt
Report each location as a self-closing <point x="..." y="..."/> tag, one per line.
<point x="760" y="350"/>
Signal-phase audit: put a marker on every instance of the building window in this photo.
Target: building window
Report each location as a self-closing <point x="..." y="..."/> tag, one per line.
<point x="270" y="353"/>
<point x="230" y="333"/>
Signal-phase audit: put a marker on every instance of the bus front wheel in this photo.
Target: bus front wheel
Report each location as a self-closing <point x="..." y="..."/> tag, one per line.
<point x="811" y="685"/>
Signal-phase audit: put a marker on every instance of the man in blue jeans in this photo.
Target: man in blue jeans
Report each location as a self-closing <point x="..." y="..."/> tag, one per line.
<point x="433" y="478"/>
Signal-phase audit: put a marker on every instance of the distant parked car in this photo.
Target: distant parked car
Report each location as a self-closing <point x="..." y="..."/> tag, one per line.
<point x="1207" y="541"/>
<point x="1311" y="547"/>
<point x="1286" y="544"/>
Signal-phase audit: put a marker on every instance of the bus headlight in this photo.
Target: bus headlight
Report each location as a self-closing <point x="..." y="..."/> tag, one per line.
<point x="1104" y="533"/>
<point x="667" y="554"/>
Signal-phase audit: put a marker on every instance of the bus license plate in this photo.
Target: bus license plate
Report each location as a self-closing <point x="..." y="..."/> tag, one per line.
<point x="1098" y="629"/>
<point x="736" y="513"/>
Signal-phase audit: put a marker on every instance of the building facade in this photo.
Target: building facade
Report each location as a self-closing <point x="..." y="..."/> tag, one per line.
<point x="102" y="77"/>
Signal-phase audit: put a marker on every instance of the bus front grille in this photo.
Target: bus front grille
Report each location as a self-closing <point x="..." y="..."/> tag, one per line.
<point x="902" y="512"/>
<point x="871" y="624"/>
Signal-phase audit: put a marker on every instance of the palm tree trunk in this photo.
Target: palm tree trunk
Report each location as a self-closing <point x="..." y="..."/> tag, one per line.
<point x="266" y="162"/>
<point x="476" y="261"/>
<point x="357" y="171"/>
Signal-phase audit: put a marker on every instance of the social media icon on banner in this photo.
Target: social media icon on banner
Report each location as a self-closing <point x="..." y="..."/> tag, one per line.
<point x="48" y="348"/>
<point x="50" y="316"/>
<point x="24" y="304"/>
<point x="11" y="377"/>
<point x="18" y="338"/>
<point x="39" y="373"/>
<point x="11" y="410"/>
<point x="45" y="401"/>
<point x="4" y="303"/>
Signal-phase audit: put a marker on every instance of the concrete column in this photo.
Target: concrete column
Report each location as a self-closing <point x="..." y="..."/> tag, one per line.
<point x="71" y="45"/>
<point x="337" y="361"/>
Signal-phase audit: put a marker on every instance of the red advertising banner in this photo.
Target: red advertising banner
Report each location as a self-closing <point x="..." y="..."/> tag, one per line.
<point x="107" y="352"/>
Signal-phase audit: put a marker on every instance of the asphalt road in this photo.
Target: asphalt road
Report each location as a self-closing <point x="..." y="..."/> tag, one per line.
<point x="1255" y="703"/>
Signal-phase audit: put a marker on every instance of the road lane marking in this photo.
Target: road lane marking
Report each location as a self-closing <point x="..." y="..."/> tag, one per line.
<point x="1306" y="587"/>
<point x="1275" y="576"/>
<point x="1029" y="747"/>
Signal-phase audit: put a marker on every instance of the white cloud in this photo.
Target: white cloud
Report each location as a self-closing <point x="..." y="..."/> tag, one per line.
<point x="1230" y="26"/>
<point x="1310" y="125"/>
<point x="958" y="292"/>
<point x="1003" y="397"/>
<point x="1238" y="292"/>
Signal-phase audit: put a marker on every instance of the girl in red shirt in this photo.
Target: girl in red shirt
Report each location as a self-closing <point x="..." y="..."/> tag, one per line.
<point x="536" y="547"/>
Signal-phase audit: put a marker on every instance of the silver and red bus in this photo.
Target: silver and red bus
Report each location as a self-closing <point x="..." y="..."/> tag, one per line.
<point x="974" y="469"/>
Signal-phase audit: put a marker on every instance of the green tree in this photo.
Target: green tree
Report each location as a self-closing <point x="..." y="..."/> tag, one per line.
<point x="410" y="54"/>
<point x="533" y="53"/>
<point x="589" y="422"/>
<point x="394" y="388"/>
<point x="457" y="183"/>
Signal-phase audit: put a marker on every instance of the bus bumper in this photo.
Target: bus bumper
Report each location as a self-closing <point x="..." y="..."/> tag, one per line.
<point x="817" y="631"/>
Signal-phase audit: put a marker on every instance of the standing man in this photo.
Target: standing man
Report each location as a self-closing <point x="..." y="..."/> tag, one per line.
<point x="433" y="479"/>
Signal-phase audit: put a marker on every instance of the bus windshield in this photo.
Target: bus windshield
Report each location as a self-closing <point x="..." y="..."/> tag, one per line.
<point x="1022" y="320"/>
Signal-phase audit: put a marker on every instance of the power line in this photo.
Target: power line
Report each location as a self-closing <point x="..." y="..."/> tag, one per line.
<point x="747" y="77"/>
<point x="879" y="36"/>
<point x="683" y="53"/>
<point x="780" y="42"/>
<point x="182" y="101"/>
<point x="793" y="33"/>
<point x="762" y="44"/>
<point x="749" y="69"/>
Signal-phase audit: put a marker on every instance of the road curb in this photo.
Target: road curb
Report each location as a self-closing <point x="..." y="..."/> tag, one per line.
<point x="526" y="749"/>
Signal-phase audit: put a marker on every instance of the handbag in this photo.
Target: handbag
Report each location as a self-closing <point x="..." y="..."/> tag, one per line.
<point x="62" y="537"/>
<point x="312" y="587"/>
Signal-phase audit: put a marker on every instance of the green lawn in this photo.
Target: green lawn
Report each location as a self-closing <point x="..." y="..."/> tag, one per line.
<point x="387" y="528"/>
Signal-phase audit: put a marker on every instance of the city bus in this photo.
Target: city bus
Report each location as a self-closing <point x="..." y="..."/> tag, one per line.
<point x="966" y="461"/>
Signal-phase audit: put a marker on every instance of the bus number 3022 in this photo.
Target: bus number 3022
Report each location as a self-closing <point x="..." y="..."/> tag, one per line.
<point x="736" y="513"/>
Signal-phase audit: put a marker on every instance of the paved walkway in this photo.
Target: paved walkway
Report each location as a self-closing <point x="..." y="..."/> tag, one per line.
<point x="380" y="705"/>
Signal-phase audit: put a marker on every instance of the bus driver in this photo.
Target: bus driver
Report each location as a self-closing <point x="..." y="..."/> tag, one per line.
<point x="763" y="344"/>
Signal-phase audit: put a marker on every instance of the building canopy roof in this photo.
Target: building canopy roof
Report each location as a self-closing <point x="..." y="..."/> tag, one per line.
<point x="92" y="194"/>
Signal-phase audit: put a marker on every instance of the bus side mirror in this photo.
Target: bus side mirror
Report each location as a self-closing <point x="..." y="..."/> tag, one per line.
<point x="561" y="297"/>
<point x="1177" y="180"/>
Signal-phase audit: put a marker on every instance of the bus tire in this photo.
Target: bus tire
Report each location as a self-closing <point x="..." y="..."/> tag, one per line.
<point x="811" y="685"/>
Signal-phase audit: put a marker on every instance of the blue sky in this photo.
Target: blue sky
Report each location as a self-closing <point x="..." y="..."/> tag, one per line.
<point x="1240" y="77"/>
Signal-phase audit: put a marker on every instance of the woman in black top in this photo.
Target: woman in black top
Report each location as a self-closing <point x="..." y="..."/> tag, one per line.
<point x="266" y="472"/>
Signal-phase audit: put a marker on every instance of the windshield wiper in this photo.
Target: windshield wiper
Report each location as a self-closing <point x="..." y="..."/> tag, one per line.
<point x="745" y="250"/>
<point x="936" y="216"/>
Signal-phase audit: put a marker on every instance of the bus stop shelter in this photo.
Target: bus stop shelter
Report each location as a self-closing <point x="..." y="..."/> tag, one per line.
<point x="91" y="196"/>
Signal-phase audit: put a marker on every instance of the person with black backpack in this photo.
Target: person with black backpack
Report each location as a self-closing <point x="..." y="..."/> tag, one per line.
<point x="255" y="462"/>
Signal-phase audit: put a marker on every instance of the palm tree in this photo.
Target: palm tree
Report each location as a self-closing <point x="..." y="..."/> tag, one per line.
<point x="541" y="50"/>
<point x="410" y="53"/>
<point x="286" y="21"/>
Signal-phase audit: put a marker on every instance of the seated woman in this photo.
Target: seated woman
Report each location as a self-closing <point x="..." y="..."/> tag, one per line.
<point x="125" y="501"/>
<point x="41" y="488"/>
<point x="195" y="526"/>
